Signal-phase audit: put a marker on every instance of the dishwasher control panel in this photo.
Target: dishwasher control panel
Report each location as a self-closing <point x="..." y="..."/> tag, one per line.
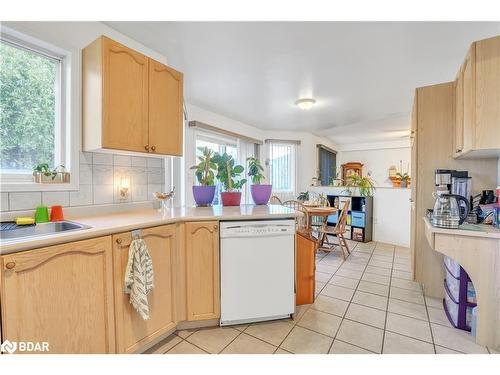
<point x="257" y="228"/>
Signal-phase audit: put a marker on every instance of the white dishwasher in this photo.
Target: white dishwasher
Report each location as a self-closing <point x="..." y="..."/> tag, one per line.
<point x="257" y="270"/>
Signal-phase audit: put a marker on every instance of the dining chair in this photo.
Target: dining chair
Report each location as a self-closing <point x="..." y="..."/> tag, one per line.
<point x="338" y="231"/>
<point x="302" y="222"/>
<point x="275" y="200"/>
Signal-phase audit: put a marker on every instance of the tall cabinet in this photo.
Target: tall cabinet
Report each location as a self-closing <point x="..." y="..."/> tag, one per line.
<point x="433" y="124"/>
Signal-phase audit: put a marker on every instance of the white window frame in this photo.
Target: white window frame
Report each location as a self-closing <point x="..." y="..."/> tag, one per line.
<point x="293" y="171"/>
<point x="67" y="132"/>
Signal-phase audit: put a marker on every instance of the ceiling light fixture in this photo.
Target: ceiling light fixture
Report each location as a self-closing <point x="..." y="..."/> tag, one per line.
<point x="305" y="103"/>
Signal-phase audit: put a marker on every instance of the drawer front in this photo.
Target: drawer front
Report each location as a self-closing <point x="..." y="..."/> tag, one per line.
<point x="452" y="266"/>
<point x="453" y="285"/>
<point x="358" y="219"/>
<point x="333" y="218"/>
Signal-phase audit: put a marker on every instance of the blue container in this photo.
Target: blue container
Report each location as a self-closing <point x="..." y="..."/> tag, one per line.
<point x="358" y="219"/>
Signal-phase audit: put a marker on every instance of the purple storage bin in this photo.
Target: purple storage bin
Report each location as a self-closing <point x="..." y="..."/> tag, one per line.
<point x="459" y="291"/>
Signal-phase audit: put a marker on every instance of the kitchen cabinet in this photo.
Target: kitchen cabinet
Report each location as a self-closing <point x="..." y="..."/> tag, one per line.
<point x="130" y="101"/>
<point x="305" y="272"/>
<point x="132" y="332"/>
<point x="62" y="295"/>
<point x="434" y="118"/>
<point x="477" y="102"/>
<point x="165" y="108"/>
<point x="202" y="270"/>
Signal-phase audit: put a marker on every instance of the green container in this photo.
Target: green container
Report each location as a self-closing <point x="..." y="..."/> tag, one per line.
<point x="42" y="214"/>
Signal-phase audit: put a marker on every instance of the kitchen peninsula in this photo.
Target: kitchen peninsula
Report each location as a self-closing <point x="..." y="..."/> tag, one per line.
<point x="477" y="249"/>
<point x="75" y="279"/>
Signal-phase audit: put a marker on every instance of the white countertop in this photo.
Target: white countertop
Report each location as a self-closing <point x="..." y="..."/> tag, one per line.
<point x="106" y="224"/>
<point x="470" y="230"/>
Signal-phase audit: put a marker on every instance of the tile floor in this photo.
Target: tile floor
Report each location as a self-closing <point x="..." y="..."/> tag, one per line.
<point x="366" y="304"/>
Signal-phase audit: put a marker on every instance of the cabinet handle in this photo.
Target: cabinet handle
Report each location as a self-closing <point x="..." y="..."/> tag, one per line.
<point x="215" y="227"/>
<point x="146" y="148"/>
<point x="118" y="241"/>
<point x="153" y="148"/>
<point x="10" y="265"/>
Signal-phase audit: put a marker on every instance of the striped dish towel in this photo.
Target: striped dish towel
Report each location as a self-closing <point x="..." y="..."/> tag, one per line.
<point x="139" y="277"/>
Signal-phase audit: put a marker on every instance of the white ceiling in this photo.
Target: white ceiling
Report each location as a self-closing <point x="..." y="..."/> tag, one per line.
<point x="362" y="74"/>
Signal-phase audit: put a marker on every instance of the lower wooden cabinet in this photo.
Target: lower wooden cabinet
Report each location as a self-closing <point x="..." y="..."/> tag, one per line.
<point x="62" y="295"/>
<point x="132" y="332"/>
<point x="202" y="270"/>
<point x="305" y="268"/>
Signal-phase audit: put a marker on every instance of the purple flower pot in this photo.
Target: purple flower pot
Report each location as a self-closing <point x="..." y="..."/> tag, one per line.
<point x="261" y="193"/>
<point x="203" y="195"/>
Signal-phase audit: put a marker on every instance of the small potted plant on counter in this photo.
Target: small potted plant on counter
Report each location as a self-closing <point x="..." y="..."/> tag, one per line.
<point x="260" y="192"/>
<point x="205" y="174"/>
<point x="230" y="175"/>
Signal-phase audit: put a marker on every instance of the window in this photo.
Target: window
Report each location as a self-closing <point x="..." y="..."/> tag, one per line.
<point x="31" y="109"/>
<point x="327" y="165"/>
<point x="220" y="144"/>
<point x="282" y="166"/>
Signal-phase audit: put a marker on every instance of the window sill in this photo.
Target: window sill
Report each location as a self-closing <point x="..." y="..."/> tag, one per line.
<point x="13" y="187"/>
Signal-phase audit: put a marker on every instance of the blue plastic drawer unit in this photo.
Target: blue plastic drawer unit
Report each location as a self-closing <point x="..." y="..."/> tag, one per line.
<point x="332" y="219"/>
<point x="358" y="219"/>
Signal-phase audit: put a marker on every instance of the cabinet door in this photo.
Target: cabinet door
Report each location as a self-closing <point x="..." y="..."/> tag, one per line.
<point x="202" y="270"/>
<point x="487" y="85"/>
<point x="132" y="332"/>
<point x="458" y="140"/>
<point x="62" y="295"/>
<point x="165" y="109"/>
<point x="125" y="100"/>
<point x="468" y="100"/>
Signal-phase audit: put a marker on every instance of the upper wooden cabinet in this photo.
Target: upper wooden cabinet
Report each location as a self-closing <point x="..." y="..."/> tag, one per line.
<point x="477" y="102"/>
<point x="165" y="107"/>
<point x="130" y="101"/>
<point x="202" y="270"/>
<point x="132" y="332"/>
<point x="62" y="295"/>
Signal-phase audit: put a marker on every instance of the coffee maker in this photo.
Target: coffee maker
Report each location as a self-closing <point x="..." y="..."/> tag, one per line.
<point x="450" y="181"/>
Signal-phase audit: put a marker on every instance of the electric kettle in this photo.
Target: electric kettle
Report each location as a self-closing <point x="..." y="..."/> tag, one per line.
<point x="447" y="213"/>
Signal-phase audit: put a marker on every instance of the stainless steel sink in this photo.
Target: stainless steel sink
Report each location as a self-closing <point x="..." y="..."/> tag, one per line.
<point x="42" y="229"/>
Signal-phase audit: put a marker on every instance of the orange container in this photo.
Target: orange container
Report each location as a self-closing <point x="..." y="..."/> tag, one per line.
<point x="56" y="213"/>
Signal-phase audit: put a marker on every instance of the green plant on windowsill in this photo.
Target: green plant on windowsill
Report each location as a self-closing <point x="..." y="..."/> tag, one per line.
<point x="204" y="170"/>
<point x="255" y="170"/>
<point x="44" y="169"/>
<point x="228" y="173"/>
<point x="365" y="185"/>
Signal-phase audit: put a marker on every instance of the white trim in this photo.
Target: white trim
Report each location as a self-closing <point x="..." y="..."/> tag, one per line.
<point x="404" y="143"/>
<point x="67" y="132"/>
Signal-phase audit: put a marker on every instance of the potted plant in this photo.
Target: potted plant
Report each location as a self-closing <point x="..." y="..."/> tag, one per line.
<point x="303" y="196"/>
<point x="365" y="185"/>
<point x="260" y="192"/>
<point x="404" y="179"/>
<point x="205" y="174"/>
<point x="42" y="174"/>
<point x="229" y="175"/>
<point x="336" y="181"/>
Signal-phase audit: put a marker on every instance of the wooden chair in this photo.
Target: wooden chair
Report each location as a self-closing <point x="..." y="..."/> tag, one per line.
<point x="338" y="231"/>
<point x="317" y="222"/>
<point x="301" y="221"/>
<point x="275" y="200"/>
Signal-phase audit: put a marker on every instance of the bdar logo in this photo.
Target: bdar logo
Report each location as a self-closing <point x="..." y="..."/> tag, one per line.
<point x="8" y="347"/>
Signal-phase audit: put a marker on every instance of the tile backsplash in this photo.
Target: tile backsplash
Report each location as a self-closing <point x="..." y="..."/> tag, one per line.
<point x="100" y="176"/>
